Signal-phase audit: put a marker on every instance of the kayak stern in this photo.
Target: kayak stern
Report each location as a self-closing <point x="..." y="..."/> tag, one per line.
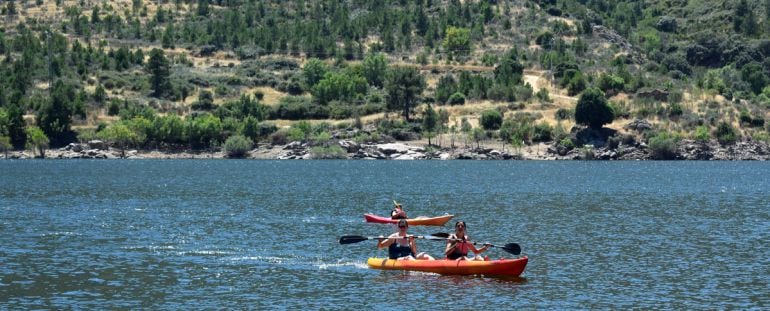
<point x="500" y="267"/>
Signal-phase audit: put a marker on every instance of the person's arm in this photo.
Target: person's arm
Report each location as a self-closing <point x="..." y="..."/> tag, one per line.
<point x="385" y="242"/>
<point x="477" y="250"/>
<point x="450" y="245"/>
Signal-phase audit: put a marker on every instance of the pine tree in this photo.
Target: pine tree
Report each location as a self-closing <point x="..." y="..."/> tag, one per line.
<point x="55" y="117"/>
<point x="159" y="69"/>
<point x="430" y="122"/>
<point x="404" y="88"/>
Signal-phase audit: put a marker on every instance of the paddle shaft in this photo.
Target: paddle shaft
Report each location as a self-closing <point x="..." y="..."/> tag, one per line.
<point x="350" y="239"/>
<point x="472" y="242"/>
<point x="512" y="248"/>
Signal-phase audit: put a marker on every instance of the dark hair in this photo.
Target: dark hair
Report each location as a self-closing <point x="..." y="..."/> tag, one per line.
<point x="403" y="223"/>
<point x="461" y="222"/>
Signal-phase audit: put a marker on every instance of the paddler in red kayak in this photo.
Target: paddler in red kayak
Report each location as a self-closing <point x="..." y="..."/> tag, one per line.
<point x="402" y="246"/>
<point x="398" y="211"/>
<point x="459" y="249"/>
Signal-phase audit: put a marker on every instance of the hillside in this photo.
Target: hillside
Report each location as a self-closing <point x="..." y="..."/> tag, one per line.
<point x="192" y="74"/>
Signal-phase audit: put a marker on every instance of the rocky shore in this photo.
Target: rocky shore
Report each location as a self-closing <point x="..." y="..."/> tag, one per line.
<point x="685" y="150"/>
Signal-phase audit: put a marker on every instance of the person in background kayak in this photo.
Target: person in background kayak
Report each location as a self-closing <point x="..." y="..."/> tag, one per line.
<point x="402" y="246"/>
<point x="459" y="249"/>
<point x="398" y="211"/>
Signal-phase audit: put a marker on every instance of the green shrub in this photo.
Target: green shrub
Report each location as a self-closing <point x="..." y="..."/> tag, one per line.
<point x="745" y="117"/>
<point x="457" y="99"/>
<point x="675" y="110"/>
<point x="523" y="92"/>
<point x="564" y="114"/>
<point x="113" y="109"/>
<point x="520" y="126"/>
<point x="588" y="152"/>
<point x="343" y="125"/>
<point x="761" y="136"/>
<point x="614" y="141"/>
<point x="369" y="108"/>
<point x="363" y="137"/>
<point x="702" y="134"/>
<point x="296" y="134"/>
<point x="543" y="132"/>
<point x="250" y="128"/>
<point x="339" y="110"/>
<point x="85" y="135"/>
<point x="267" y="128"/>
<point x="237" y="146"/>
<point x="204" y="131"/>
<point x="299" y="108"/>
<point x="610" y="83"/>
<point x="725" y="133"/>
<point x="205" y="101"/>
<point x="491" y="119"/>
<point x="663" y="146"/>
<point x="279" y="137"/>
<point x="567" y="143"/>
<point x="322" y="137"/>
<point x="620" y="110"/>
<point x="330" y="152"/>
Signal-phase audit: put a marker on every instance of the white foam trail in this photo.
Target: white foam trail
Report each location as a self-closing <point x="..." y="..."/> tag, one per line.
<point x="325" y="266"/>
<point x="152" y="248"/>
<point x="60" y="233"/>
<point x="205" y="252"/>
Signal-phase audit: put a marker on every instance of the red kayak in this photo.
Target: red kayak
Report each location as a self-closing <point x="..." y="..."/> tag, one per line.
<point x="501" y="267"/>
<point x="420" y="221"/>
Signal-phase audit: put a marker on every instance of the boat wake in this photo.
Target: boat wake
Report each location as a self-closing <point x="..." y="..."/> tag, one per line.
<point x="342" y="264"/>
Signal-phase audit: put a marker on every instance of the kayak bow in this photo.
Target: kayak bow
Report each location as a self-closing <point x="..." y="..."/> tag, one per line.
<point x="500" y="267"/>
<point x="422" y="221"/>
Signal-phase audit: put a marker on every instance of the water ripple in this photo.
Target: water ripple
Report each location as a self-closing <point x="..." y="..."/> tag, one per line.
<point x="264" y="234"/>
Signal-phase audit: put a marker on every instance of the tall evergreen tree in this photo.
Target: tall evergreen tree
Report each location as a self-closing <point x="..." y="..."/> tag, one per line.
<point x="404" y="86"/>
<point x="313" y="71"/>
<point x="374" y="69"/>
<point x="203" y="7"/>
<point x="430" y="122"/>
<point x="16" y="126"/>
<point x="55" y="117"/>
<point x="739" y="17"/>
<point x="159" y="69"/>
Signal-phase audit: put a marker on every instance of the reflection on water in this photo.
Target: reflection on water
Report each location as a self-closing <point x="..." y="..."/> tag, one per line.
<point x="264" y="234"/>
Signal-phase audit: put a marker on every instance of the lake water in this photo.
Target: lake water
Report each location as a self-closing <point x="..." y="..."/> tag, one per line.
<point x="213" y="234"/>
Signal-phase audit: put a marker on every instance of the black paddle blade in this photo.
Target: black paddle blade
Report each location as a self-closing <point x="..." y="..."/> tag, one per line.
<point x="442" y="235"/>
<point x="350" y="239"/>
<point x="512" y="248"/>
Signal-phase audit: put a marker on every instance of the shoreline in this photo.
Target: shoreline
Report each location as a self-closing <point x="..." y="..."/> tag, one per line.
<point x="420" y="150"/>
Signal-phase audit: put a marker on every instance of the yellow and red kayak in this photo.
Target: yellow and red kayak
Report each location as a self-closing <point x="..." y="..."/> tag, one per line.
<point x="420" y="221"/>
<point x="500" y="267"/>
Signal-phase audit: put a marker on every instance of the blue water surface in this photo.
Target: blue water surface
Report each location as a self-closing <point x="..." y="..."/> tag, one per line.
<point x="214" y="234"/>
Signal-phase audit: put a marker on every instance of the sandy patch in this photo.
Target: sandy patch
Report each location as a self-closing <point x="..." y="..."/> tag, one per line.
<point x="271" y="95"/>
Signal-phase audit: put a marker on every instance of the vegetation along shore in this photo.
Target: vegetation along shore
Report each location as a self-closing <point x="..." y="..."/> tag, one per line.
<point x="393" y="79"/>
